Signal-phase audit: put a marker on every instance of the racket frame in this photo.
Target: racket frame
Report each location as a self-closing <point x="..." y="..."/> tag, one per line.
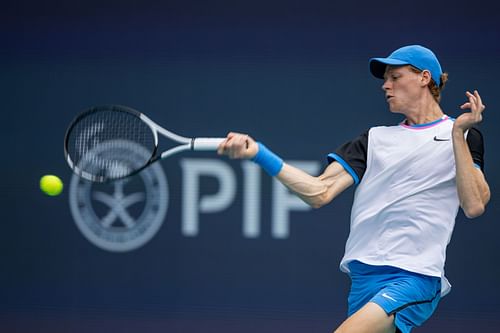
<point x="186" y="143"/>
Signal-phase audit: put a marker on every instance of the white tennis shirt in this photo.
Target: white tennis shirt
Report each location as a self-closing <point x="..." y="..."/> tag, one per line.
<point x="406" y="203"/>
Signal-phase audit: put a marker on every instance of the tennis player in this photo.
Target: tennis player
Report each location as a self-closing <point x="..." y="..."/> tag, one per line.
<point x="411" y="179"/>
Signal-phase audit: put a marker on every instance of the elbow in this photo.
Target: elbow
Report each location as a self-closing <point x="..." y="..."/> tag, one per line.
<point x="477" y="207"/>
<point x="316" y="205"/>
<point x="318" y="201"/>
<point x="474" y="211"/>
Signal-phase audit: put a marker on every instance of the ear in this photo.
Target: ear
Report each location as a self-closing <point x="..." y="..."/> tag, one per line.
<point x="426" y="77"/>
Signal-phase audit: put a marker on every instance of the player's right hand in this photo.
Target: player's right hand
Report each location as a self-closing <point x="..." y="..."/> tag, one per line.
<point x="238" y="146"/>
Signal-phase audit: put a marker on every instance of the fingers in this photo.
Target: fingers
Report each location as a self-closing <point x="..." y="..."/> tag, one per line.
<point x="465" y="106"/>
<point x="476" y="94"/>
<point x="224" y="145"/>
<point x="236" y="145"/>
<point x="476" y="106"/>
<point x="475" y="102"/>
<point x="472" y="99"/>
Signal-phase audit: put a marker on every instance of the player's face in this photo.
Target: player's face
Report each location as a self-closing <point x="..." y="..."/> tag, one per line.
<point x="402" y="88"/>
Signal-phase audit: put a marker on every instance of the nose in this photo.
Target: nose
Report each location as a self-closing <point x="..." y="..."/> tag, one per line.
<point x="385" y="85"/>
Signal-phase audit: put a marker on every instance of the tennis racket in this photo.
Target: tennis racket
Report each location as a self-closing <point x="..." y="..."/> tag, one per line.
<point x="110" y="142"/>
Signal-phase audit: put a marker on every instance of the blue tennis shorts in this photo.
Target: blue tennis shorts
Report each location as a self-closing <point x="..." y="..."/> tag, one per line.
<point x="411" y="297"/>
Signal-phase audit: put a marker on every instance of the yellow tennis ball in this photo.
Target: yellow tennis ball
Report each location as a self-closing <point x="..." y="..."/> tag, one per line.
<point x="51" y="185"/>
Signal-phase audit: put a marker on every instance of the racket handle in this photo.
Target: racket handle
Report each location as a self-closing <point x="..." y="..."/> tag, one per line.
<point x="206" y="143"/>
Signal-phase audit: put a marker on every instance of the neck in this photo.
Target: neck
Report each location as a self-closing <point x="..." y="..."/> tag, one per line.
<point x="423" y="113"/>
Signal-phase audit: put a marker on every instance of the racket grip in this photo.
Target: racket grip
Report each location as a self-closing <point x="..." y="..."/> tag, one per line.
<point x="206" y="144"/>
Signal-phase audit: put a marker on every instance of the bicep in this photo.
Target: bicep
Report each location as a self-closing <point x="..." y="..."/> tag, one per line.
<point x="482" y="185"/>
<point x="475" y="143"/>
<point x="337" y="179"/>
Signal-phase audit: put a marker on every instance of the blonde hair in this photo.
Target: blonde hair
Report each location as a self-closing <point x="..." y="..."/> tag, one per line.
<point x="433" y="87"/>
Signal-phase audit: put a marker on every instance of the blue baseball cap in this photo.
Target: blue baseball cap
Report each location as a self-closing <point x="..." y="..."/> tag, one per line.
<point x="415" y="55"/>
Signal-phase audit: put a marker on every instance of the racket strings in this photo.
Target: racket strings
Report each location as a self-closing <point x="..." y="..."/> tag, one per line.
<point x="110" y="144"/>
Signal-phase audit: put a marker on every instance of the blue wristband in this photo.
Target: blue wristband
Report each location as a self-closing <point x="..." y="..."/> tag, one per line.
<point x="269" y="161"/>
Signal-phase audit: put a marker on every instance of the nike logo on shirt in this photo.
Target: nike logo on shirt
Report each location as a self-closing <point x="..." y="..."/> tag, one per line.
<point x="441" y="139"/>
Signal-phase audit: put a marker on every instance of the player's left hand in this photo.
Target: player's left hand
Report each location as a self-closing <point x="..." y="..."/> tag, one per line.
<point x="468" y="119"/>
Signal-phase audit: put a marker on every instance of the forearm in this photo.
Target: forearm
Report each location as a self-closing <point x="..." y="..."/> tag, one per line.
<point x="315" y="191"/>
<point x="472" y="188"/>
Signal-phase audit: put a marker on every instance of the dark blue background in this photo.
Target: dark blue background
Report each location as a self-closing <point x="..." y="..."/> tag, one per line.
<point x="295" y="75"/>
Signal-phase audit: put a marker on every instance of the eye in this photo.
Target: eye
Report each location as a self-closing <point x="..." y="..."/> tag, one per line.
<point x="392" y="77"/>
